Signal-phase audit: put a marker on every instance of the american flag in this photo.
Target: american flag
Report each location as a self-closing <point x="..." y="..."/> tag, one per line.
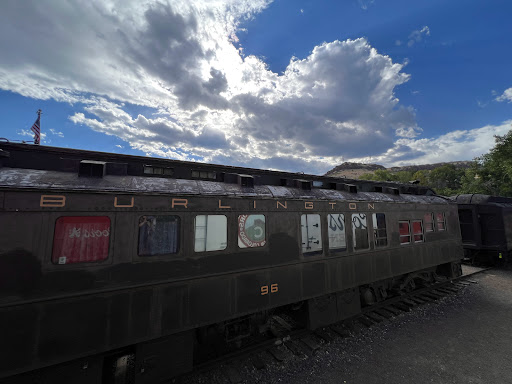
<point x="36" y="128"/>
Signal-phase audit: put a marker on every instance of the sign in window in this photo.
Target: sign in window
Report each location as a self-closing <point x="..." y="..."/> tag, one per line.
<point x="251" y="231"/>
<point x="336" y="232"/>
<point x="81" y="239"/>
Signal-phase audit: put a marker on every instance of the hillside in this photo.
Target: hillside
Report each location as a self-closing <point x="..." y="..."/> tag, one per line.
<point x="354" y="170"/>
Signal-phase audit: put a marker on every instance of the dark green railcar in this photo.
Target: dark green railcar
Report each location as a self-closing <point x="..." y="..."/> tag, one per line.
<point x="115" y="266"/>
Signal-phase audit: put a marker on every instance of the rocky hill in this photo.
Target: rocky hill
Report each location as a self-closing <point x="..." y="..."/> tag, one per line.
<point x="354" y="170"/>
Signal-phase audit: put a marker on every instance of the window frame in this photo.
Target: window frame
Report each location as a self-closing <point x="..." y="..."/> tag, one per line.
<point x="414" y="234"/>
<point x="194" y="233"/>
<point x="376" y="230"/>
<point x="409" y="234"/>
<point x="353" y="232"/>
<point x="444" y="221"/>
<point x="237" y="216"/>
<point x="425" y="230"/>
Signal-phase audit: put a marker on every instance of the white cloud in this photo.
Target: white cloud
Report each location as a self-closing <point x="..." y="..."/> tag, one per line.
<point x="364" y="4"/>
<point x="418" y="35"/>
<point x="29" y="133"/>
<point x="56" y="133"/>
<point x="182" y="60"/>
<point x="452" y="146"/>
<point x="119" y="146"/>
<point x="506" y="96"/>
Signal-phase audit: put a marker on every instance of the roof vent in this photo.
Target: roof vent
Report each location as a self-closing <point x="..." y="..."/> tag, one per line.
<point x="302" y="184"/>
<point x="350" y="188"/>
<point x="391" y="191"/>
<point x="91" y="168"/>
<point x="246" y="181"/>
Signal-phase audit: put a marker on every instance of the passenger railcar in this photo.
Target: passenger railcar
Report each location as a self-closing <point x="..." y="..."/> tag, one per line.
<point x="117" y="267"/>
<point x="486" y="227"/>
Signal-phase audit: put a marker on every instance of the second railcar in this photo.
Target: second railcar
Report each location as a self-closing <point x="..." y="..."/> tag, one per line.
<point x="486" y="227"/>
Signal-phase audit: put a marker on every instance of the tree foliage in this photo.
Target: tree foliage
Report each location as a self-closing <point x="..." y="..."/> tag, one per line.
<point x="490" y="174"/>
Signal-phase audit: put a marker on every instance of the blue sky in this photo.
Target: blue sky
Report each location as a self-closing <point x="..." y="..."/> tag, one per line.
<point x="289" y="85"/>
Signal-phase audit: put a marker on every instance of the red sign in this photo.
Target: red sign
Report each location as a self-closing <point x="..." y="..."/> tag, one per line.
<point x="81" y="239"/>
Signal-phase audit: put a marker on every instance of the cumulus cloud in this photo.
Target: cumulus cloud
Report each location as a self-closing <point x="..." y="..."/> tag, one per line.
<point x="418" y="35"/>
<point x="181" y="59"/>
<point x="506" y="96"/>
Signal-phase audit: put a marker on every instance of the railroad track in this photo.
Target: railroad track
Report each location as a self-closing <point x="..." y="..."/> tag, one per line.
<point x="303" y="342"/>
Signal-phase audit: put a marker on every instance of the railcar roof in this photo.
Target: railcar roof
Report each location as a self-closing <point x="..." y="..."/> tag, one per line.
<point x="52" y="180"/>
<point x="476" y="198"/>
<point x="50" y="168"/>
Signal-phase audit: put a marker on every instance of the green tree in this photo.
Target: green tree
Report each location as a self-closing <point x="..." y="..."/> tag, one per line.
<point x="404" y="176"/>
<point x="492" y="173"/>
<point x="367" y="176"/>
<point x="421" y="176"/>
<point x="446" y="180"/>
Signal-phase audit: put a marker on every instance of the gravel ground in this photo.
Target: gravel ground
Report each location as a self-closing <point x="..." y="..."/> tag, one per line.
<point x="463" y="338"/>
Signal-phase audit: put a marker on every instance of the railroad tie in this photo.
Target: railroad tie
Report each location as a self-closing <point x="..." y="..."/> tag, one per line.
<point x="365" y="321"/>
<point x="294" y="347"/>
<point x="384" y="313"/>
<point x="277" y="353"/>
<point x="323" y="335"/>
<point x="445" y="290"/>
<point x="374" y="317"/>
<point x="342" y="331"/>
<point x="402" y="307"/>
<point x="417" y="300"/>
<point x="393" y="310"/>
<point x="310" y="342"/>
<point x="408" y="302"/>
<point x="431" y="296"/>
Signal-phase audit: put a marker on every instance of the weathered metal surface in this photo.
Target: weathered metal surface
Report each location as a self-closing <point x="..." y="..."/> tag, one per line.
<point x="58" y="181"/>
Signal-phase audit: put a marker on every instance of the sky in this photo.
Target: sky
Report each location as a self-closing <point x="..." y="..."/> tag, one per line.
<point x="292" y="85"/>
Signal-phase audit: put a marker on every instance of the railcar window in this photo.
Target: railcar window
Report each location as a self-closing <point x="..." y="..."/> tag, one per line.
<point x="379" y="229"/>
<point x="251" y="231"/>
<point x="336" y="232"/>
<point x="405" y="232"/>
<point x="360" y="231"/>
<point x="429" y="222"/>
<point x="311" y="230"/>
<point x="203" y="175"/>
<point x="81" y="239"/>
<point x="159" y="235"/>
<point x="211" y="233"/>
<point x="441" y="223"/>
<point x="150" y="170"/>
<point x="417" y="231"/>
